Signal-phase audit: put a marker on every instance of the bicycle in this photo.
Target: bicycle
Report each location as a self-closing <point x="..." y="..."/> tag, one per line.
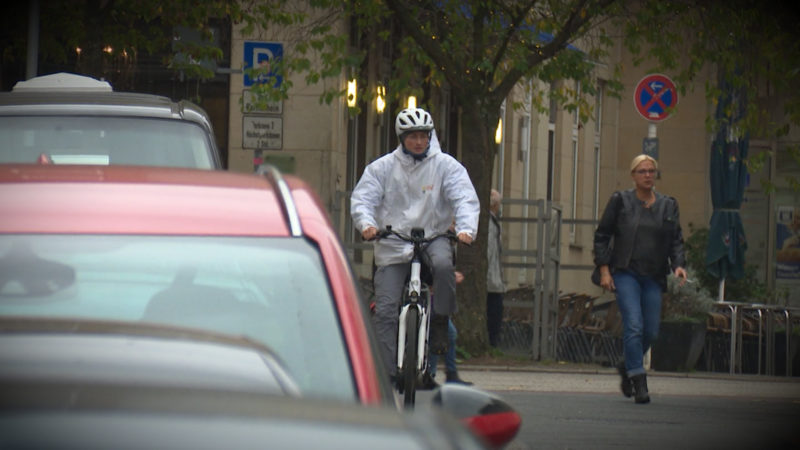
<point x="414" y="321"/>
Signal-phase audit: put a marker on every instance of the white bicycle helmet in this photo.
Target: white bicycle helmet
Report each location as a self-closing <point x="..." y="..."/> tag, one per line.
<point x="412" y="119"/>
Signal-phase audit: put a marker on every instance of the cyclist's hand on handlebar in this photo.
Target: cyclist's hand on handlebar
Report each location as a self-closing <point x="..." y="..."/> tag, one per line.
<point x="465" y="238"/>
<point x="369" y="233"/>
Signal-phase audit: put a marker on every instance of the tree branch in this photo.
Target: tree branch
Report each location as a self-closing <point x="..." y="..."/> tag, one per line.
<point x="448" y="66"/>
<point x="573" y="24"/>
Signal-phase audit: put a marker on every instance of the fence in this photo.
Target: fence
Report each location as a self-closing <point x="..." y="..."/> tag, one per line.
<point x="753" y="338"/>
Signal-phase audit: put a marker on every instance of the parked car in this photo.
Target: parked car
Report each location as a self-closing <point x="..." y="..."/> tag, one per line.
<point x="248" y="256"/>
<point x="65" y="118"/>
<point x="45" y="352"/>
<point x="82" y="383"/>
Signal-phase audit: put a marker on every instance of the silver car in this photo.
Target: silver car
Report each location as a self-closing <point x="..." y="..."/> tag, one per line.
<point x="72" y="119"/>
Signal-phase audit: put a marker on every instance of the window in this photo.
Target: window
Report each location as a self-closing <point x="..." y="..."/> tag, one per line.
<point x="551" y="157"/>
<point x="596" y="199"/>
<point x="105" y="140"/>
<point x="598" y="129"/>
<point x="576" y="115"/>
<point x="598" y="108"/>
<point x="574" y="202"/>
<point x="271" y="290"/>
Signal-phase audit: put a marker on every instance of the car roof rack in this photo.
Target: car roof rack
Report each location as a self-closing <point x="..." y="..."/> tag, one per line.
<point x="62" y="82"/>
<point x="274" y="176"/>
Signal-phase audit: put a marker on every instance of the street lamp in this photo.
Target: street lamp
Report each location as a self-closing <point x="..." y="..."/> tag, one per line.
<point x="498" y="135"/>
<point x="412" y="102"/>
<point x="351" y="93"/>
<point x="380" y="103"/>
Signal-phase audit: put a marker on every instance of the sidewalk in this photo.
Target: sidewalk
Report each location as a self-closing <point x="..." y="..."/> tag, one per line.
<point x="571" y="377"/>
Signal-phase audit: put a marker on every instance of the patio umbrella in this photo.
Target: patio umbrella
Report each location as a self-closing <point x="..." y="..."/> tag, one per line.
<point x="726" y="238"/>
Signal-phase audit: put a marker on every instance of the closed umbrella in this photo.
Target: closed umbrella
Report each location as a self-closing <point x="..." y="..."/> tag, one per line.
<point x="726" y="238"/>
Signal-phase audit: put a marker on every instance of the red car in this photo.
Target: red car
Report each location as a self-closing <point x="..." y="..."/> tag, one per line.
<point x="249" y="256"/>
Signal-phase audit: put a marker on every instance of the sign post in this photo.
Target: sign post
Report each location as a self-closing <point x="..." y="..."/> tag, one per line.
<point x="262" y="126"/>
<point x="655" y="98"/>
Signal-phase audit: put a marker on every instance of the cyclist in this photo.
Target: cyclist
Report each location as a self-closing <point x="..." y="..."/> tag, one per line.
<point x="416" y="185"/>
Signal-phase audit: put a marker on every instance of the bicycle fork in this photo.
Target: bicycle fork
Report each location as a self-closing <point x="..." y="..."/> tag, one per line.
<point x="414" y="293"/>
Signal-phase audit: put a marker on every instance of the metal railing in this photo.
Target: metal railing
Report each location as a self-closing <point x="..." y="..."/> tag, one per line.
<point x="767" y="317"/>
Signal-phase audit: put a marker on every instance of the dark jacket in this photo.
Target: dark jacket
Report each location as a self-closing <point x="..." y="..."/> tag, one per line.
<point x="614" y="236"/>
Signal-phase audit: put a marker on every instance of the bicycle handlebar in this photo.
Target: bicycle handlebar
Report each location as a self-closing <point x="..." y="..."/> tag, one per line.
<point x="388" y="231"/>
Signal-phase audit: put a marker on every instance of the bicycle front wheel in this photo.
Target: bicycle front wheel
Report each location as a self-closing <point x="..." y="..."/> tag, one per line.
<point x="409" y="371"/>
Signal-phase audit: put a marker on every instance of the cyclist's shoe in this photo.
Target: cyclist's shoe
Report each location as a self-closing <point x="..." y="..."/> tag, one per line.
<point x="452" y="377"/>
<point x="438" y="342"/>
<point x="397" y="382"/>
<point x="428" y="382"/>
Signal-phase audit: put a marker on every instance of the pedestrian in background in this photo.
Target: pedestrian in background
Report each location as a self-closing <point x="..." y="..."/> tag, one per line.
<point x="636" y="244"/>
<point x="495" y="284"/>
<point x="451" y="371"/>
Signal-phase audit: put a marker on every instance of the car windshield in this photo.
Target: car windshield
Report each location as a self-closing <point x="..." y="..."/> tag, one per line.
<point x="104" y="140"/>
<point x="271" y="290"/>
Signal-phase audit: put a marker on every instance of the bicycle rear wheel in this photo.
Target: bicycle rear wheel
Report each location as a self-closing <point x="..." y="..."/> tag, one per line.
<point x="409" y="371"/>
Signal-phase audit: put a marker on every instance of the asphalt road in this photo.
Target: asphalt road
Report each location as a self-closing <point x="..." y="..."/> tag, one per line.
<point x="585" y="410"/>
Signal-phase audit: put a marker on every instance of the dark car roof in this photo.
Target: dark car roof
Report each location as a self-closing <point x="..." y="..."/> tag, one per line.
<point x="124" y="353"/>
<point x="100" y="384"/>
<point x="101" y="104"/>
<point x="41" y="415"/>
<point x="68" y="99"/>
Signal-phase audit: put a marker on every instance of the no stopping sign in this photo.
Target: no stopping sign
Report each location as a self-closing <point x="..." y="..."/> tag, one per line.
<point x="655" y="97"/>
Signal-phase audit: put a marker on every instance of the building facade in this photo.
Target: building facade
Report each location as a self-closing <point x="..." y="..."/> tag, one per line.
<point x="573" y="166"/>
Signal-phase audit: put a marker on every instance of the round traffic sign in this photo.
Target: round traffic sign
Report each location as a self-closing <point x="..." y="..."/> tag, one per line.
<point x="655" y="97"/>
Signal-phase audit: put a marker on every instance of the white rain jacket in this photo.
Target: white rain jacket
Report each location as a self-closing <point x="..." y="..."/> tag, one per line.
<point x="399" y="191"/>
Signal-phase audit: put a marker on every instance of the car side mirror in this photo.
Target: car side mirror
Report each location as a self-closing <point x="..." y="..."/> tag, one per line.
<point x="486" y="414"/>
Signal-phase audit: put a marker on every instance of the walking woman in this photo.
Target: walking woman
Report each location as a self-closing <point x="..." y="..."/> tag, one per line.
<point x="637" y="243"/>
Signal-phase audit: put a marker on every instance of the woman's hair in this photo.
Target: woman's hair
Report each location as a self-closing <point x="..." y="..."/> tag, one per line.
<point x="495" y="198"/>
<point x="641" y="158"/>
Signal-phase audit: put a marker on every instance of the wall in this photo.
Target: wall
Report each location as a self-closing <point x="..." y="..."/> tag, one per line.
<point x="314" y="134"/>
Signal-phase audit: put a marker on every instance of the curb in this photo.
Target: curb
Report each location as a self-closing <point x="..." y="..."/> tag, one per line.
<point x="613" y="372"/>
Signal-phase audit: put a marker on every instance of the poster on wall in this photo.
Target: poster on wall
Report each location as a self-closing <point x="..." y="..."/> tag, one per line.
<point x="787" y="243"/>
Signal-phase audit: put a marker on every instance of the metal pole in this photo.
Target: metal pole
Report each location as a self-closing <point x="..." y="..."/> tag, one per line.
<point x="788" y="336"/>
<point x="32" y="63"/>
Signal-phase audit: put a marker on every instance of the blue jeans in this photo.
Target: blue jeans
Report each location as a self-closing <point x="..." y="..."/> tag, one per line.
<point x="639" y="301"/>
<point x="450" y="356"/>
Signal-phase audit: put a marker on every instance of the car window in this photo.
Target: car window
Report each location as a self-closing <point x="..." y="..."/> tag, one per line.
<point x="271" y="290"/>
<point x="104" y="140"/>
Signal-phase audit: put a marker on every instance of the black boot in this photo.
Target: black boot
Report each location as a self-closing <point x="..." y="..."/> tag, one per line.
<point x="625" y="384"/>
<point x="640" y="388"/>
<point x="452" y="377"/>
<point x="428" y="382"/>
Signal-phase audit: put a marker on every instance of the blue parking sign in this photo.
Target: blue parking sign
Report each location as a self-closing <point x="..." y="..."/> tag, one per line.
<point x="260" y="54"/>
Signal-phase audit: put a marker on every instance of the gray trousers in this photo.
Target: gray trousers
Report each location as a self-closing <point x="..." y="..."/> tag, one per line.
<point x="389" y="282"/>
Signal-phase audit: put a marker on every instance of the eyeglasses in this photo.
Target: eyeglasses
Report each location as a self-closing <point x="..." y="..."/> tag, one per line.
<point x="418" y="136"/>
<point x="646" y="171"/>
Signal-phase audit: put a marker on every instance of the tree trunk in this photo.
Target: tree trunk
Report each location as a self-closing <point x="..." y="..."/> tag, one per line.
<point x="478" y="160"/>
